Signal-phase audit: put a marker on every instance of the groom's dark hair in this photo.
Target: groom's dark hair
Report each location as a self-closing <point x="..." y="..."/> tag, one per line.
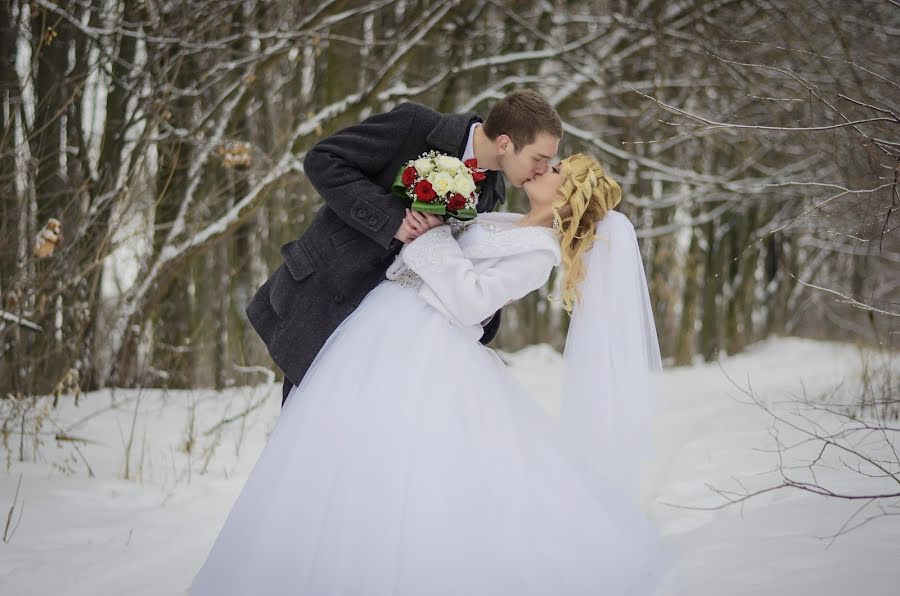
<point x="522" y="116"/>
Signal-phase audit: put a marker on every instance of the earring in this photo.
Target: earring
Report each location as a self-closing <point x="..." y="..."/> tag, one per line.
<point x="557" y="223"/>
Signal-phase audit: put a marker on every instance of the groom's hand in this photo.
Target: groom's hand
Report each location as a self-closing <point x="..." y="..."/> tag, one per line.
<point x="415" y="224"/>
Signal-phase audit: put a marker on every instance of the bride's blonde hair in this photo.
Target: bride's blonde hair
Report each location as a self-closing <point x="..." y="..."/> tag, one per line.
<point x="586" y="196"/>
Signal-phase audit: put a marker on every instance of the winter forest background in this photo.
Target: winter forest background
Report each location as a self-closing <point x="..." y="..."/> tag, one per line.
<point x="756" y="142"/>
<point x="151" y="167"/>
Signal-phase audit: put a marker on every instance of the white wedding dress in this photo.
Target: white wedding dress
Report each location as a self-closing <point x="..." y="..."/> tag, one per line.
<point x="409" y="462"/>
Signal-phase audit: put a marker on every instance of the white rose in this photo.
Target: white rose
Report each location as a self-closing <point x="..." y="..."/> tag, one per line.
<point x="441" y="182"/>
<point x="448" y="164"/>
<point x="463" y="184"/>
<point x="424" y="166"/>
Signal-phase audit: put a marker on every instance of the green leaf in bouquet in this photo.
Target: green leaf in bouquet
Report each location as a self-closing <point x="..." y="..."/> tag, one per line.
<point x="436" y="208"/>
<point x="466" y="213"/>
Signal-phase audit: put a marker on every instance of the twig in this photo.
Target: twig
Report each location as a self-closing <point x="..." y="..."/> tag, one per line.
<point x="7" y="534"/>
<point x="846" y="299"/>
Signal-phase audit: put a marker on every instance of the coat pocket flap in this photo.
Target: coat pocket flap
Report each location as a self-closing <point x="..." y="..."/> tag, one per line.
<point x="297" y="260"/>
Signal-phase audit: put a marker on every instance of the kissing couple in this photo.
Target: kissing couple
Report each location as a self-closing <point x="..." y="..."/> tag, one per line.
<point x="406" y="459"/>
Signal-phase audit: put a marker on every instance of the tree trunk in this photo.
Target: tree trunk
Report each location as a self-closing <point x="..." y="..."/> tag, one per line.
<point x="709" y="324"/>
<point x="684" y="344"/>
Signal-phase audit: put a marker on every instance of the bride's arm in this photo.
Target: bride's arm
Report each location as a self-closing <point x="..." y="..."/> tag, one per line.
<point x="470" y="295"/>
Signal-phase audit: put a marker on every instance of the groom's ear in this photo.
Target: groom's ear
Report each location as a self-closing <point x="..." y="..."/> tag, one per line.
<point x="503" y="144"/>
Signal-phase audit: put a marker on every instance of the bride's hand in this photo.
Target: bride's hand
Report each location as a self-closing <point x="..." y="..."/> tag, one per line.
<point x="404" y="233"/>
<point x="419" y="223"/>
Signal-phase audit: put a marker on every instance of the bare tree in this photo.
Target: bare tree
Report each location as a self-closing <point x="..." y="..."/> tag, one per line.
<point x="756" y="145"/>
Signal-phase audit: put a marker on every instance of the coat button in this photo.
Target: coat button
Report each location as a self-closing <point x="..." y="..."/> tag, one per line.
<point x="360" y="213"/>
<point x="338" y="298"/>
<point x="372" y="221"/>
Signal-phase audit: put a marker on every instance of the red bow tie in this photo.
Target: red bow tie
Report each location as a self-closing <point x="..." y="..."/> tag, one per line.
<point x="473" y="163"/>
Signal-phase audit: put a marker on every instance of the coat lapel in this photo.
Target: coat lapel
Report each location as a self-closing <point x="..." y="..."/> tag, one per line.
<point x="451" y="133"/>
<point x="493" y="192"/>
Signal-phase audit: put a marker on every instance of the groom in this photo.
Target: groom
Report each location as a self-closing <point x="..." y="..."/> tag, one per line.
<point x="361" y="227"/>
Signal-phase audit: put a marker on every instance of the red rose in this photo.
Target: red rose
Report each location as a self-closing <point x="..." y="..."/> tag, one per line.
<point x="409" y="176"/>
<point x="478" y="176"/>
<point x="456" y="202"/>
<point x="471" y="163"/>
<point x="424" y="191"/>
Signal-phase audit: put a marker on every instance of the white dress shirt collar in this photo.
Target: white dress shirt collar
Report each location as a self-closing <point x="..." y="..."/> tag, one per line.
<point x="469" y="153"/>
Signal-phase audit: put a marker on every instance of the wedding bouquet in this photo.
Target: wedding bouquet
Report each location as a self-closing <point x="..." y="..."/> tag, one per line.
<point x="440" y="184"/>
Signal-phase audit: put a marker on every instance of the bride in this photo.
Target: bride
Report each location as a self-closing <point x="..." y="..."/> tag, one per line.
<point x="410" y="462"/>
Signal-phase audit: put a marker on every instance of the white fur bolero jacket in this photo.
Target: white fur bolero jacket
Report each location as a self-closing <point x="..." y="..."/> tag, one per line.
<point x="469" y="271"/>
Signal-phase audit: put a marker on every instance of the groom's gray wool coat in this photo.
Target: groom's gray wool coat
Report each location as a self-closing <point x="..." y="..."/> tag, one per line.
<point x="349" y="245"/>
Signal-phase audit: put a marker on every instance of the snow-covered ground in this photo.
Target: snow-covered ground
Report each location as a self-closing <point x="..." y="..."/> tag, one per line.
<point x="134" y="503"/>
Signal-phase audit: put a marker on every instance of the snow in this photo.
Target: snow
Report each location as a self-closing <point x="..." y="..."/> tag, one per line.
<point x="107" y="535"/>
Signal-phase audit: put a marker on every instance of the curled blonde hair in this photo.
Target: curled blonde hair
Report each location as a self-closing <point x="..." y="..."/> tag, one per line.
<point x="586" y="196"/>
